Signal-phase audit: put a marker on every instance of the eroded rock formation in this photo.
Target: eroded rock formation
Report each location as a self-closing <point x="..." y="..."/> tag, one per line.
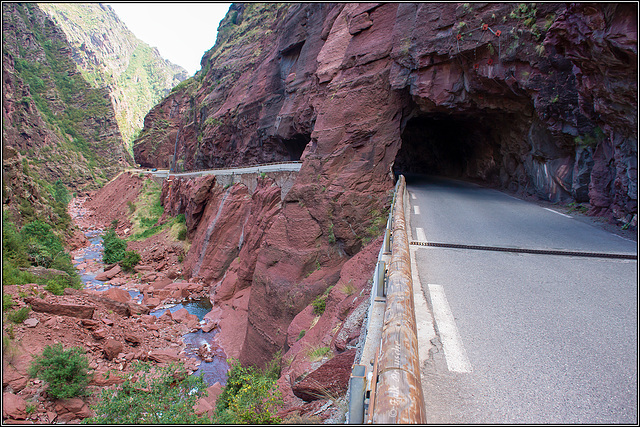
<point x="541" y="100"/>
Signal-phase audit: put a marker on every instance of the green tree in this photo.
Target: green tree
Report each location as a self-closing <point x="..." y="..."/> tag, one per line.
<point x="65" y="371"/>
<point x="159" y="395"/>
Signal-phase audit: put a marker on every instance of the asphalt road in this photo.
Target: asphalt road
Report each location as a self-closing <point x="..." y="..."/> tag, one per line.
<point x="535" y="338"/>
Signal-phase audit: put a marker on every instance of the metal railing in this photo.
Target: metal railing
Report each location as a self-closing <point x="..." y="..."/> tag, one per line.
<point x="241" y="169"/>
<point x="390" y="391"/>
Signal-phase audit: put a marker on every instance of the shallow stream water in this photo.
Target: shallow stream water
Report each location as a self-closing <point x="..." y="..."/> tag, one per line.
<point x="214" y="371"/>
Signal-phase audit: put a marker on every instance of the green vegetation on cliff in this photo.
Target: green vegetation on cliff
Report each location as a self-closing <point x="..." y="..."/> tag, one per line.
<point x="36" y="245"/>
<point x="64" y="127"/>
<point x="110" y="56"/>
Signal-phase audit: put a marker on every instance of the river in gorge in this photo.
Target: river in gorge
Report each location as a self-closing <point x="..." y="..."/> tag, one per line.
<point x="88" y="261"/>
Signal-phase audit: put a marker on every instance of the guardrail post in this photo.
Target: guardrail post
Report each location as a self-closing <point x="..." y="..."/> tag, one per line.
<point x="380" y="267"/>
<point x="387" y="239"/>
<point x="356" y="397"/>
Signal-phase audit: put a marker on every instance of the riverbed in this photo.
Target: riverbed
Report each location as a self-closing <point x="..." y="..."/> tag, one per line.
<point x="88" y="261"/>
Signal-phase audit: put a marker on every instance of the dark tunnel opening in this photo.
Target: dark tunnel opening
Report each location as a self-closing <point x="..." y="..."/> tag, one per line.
<point x="452" y="146"/>
<point x="295" y="146"/>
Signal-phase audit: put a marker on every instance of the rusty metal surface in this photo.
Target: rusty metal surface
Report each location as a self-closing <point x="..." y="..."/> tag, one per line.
<point x="398" y="398"/>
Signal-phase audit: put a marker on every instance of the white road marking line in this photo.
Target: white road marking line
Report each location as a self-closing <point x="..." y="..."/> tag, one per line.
<point x="420" y="236"/>
<point x="424" y="319"/>
<point x="416" y="210"/>
<point x="624" y="238"/>
<point x="454" y="351"/>
<point x="413" y="196"/>
<point x="551" y="210"/>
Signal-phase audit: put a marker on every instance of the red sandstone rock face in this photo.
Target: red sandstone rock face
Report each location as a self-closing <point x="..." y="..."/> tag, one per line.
<point x="360" y="90"/>
<point x="330" y="379"/>
<point x="353" y="89"/>
<point x="13" y="407"/>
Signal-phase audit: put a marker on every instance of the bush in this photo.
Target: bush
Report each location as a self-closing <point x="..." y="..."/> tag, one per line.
<point x="35" y="244"/>
<point x="319" y="305"/>
<point x="7" y="302"/>
<point x="55" y="286"/>
<point x="42" y="245"/>
<point x="130" y="260"/>
<point x="251" y="396"/>
<point x="19" y="316"/>
<point x="60" y="193"/>
<point x="11" y="275"/>
<point x="114" y="247"/>
<point x="13" y="247"/>
<point x="65" y="371"/>
<point x="166" y="396"/>
<point x="182" y="234"/>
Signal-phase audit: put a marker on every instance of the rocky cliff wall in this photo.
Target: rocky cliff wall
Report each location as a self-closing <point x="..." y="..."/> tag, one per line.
<point x="542" y="100"/>
<point x="111" y="57"/>
<point x="55" y="126"/>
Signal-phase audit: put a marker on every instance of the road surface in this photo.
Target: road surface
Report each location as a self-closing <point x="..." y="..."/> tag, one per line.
<point x="523" y="338"/>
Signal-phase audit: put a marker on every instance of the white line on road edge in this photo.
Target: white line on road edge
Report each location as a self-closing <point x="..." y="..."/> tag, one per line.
<point x="420" y="236"/>
<point x="454" y="351"/>
<point x="416" y="210"/>
<point x="424" y="320"/>
<point x="413" y="196"/>
<point x="551" y="210"/>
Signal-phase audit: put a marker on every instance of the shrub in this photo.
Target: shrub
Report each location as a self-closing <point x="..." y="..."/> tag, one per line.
<point x="11" y="275"/>
<point x="7" y="302"/>
<point x="166" y="396"/>
<point x="130" y="260"/>
<point x="251" y="396"/>
<point x="60" y="193"/>
<point x="319" y="305"/>
<point x="65" y="371"/>
<point x="42" y="245"/>
<point x="182" y="234"/>
<point x="55" y="286"/>
<point x="13" y="247"/>
<point x="319" y="353"/>
<point x="114" y="247"/>
<point x="20" y="315"/>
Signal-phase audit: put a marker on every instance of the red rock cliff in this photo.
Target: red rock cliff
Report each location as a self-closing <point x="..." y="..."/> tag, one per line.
<point x="538" y="98"/>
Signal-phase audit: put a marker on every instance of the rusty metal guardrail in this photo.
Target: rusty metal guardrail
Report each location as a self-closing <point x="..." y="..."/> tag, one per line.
<point x="389" y="390"/>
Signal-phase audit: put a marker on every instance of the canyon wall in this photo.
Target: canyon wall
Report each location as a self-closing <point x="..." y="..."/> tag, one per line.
<point x="55" y="125"/>
<point x="539" y="98"/>
<point x="109" y="56"/>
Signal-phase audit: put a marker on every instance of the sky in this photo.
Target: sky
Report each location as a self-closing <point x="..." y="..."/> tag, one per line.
<point x="182" y="32"/>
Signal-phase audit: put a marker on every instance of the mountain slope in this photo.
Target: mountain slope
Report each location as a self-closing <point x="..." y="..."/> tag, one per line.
<point x="110" y="56"/>
<point x="55" y="126"/>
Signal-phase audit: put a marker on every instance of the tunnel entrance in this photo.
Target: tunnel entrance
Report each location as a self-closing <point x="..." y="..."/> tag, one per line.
<point x="295" y="146"/>
<point x="448" y="145"/>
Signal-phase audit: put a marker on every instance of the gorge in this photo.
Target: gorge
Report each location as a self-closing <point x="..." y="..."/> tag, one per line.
<point x="538" y="99"/>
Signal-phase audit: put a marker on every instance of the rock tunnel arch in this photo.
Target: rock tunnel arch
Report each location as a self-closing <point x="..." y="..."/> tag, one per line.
<point x="509" y="149"/>
<point x="452" y="145"/>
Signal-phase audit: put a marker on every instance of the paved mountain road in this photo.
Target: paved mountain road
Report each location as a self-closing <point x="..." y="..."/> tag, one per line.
<point x="535" y="338"/>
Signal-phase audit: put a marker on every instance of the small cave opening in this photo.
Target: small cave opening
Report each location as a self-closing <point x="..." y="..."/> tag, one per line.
<point x="295" y="145"/>
<point x="454" y="146"/>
